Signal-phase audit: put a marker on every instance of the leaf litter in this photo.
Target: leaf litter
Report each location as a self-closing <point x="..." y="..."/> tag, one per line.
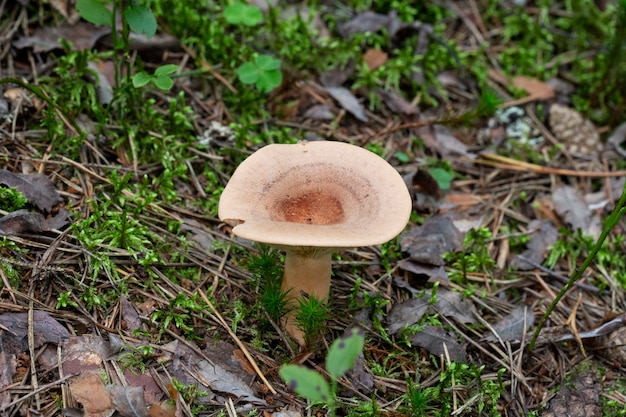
<point x="96" y="342"/>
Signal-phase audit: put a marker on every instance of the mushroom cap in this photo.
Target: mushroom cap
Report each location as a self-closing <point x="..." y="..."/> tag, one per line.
<point x="316" y="194"/>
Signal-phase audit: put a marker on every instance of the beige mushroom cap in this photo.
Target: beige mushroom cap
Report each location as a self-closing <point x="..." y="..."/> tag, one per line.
<point x="321" y="194"/>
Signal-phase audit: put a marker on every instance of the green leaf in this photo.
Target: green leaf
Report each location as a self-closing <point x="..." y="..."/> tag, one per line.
<point x="248" y="73"/>
<point x="267" y="62"/>
<point x="140" y="79"/>
<point x="343" y="352"/>
<point x="166" y="69"/>
<point x="269" y="80"/>
<point x="163" y="82"/>
<point x="141" y="20"/>
<point x="95" y="12"/>
<point x="306" y="382"/>
<point x="443" y="177"/>
<point x="237" y="13"/>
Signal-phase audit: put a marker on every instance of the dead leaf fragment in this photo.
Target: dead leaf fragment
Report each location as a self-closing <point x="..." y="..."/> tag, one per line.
<point x="348" y="101"/>
<point x="396" y="102"/>
<point x="543" y="237"/>
<point x="7" y="370"/>
<point x="406" y="313"/>
<point x="513" y="326"/>
<point x="15" y="330"/>
<point x="38" y="189"/>
<point x="427" y="243"/>
<point x="433" y="339"/>
<point x="24" y="221"/>
<point x="128" y="401"/>
<point x="453" y="305"/>
<point x="535" y="88"/>
<point x="364" y="22"/>
<point x="319" y="112"/>
<point x="83" y="36"/>
<point x="88" y="389"/>
<point x="570" y="205"/>
<point x="374" y="58"/>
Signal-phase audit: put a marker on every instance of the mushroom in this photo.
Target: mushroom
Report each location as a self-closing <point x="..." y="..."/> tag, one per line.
<point x="311" y="199"/>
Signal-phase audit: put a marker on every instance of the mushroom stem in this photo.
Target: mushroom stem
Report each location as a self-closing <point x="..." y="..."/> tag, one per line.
<point x="307" y="272"/>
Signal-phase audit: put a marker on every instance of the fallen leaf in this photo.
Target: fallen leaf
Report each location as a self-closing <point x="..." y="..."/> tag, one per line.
<point x="7" y="370"/>
<point x="617" y="139"/>
<point x="570" y="205"/>
<point x="128" y="401"/>
<point x="429" y="242"/>
<point x="434" y="338"/>
<point x="15" y="331"/>
<point x="83" y="36"/>
<point x="448" y="144"/>
<point x="406" y="313"/>
<point x="363" y="22"/>
<point x="66" y="10"/>
<point x="219" y="379"/>
<point x="513" y="326"/>
<point x="88" y="389"/>
<point x="22" y="221"/>
<point x="543" y="236"/>
<point x="130" y="318"/>
<point x="319" y="112"/>
<point x="424" y="273"/>
<point x="396" y="102"/>
<point x="37" y="189"/>
<point x="374" y="58"/>
<point x="535" y="88"/>
<point x="348" y="101"/>
<point x="453" y="305"/>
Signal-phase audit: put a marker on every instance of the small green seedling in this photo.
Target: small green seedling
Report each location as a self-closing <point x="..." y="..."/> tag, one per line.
<point x="139" y="18"/>
<point x="443" y="177"/>
<point x="264" y="72"/>
<point x="162" y="77"/>
<point x="239" y="13"/>
<point x="312" y="385"/>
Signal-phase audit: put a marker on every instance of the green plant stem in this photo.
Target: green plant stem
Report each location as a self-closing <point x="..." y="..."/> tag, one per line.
<point x="332" y="403"/>
<point x="608" y="226"/>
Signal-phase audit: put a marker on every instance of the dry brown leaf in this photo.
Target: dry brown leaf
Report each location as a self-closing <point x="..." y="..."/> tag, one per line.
<point x="364" y="22"/>
<point x="319" y="112"/>
<point x="535" y="88"/>
<point x="348" y="101"/>
<point x="544" y="235"/>
<point x="452" y="304"/>
<point x="427" y="243"/>
<point x="513" y="326"/>
<point x="15" y="330"/>
<point x="128" y="401"/>
<point x="7" y="370"/>
<point x="22" y="221"/>
<point x="83" y="36"/>
<point x="375" y="58"/>
<point x="396" y="102"/>
<point x="433" y="338"/>
<point x="406" y="313"/>
<point x="88" y="389"/>
<point x="37" y="189"/>
<point x="570" y="205"/>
